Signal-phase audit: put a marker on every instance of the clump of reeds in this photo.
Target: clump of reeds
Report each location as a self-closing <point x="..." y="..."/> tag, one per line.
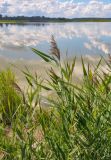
<point x="74" y="129"/>
<point x="77" y="124"/>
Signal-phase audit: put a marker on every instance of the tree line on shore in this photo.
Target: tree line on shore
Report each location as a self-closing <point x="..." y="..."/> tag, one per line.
<point x="47" y="19"/>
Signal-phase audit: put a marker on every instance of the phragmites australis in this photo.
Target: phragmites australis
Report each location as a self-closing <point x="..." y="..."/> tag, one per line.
<point x="18" y="89"/>
<point x="109" y="58"/>
<point x="54" y="48"/>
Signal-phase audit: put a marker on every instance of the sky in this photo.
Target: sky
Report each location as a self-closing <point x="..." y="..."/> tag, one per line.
<point x="56" y="8"/>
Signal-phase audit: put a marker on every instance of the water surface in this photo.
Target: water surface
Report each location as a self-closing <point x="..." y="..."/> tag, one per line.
<point x="72" y="38"/>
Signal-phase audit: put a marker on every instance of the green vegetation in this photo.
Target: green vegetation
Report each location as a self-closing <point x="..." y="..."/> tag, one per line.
<point x="9" y="99"/>
<point x="23" y="19"/>
<point x="76" y="125"/>
<point x="11" y="22"/>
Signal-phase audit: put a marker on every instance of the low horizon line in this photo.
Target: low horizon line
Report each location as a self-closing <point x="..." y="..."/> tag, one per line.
<point x="54" y="17"/>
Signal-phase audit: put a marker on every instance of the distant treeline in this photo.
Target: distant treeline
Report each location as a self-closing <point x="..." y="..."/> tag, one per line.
<point x="32" y="18"/>
<point x="48" y="19"/>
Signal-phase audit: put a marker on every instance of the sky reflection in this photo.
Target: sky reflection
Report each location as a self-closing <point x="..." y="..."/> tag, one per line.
<point x="76" y="38"/>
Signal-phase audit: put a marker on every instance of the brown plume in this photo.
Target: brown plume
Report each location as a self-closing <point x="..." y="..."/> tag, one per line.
<point x="54" y="48"/>
<point x="109" y="58"/>
<point x="18" y="89"/>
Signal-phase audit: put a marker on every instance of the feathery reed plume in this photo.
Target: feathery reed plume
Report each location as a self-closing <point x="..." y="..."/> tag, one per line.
<point x="18" y="89"/>
<point x="109" y="58"/>
<point x="54" y="48"/>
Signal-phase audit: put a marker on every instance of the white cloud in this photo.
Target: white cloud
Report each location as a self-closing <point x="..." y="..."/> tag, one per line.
<point x="52" y="8"/>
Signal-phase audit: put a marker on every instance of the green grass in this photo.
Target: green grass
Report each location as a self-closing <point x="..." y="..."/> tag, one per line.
<point x="11" y="21"/>
<point x="76" y="125"/>
<point x="9" y="98"/>
<point x="57" y="20"/>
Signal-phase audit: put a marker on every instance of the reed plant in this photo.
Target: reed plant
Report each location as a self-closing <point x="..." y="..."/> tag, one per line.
<point x="76" y="125"/>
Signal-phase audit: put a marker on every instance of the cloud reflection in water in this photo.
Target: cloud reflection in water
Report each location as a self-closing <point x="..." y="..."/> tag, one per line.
<point x="89" y="37"/>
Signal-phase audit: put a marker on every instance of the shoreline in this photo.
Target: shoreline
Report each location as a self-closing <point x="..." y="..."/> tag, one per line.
<point x="35" y="22"/>
<point x="41" y="68"/>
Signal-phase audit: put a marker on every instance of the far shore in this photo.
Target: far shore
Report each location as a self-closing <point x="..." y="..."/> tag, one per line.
<point x="52" y="21"/>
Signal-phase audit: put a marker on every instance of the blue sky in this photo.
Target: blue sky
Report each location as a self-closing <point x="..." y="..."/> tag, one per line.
<point x="57" y="8"/>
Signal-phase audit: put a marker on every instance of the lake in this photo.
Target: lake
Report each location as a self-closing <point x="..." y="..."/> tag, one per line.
<point x="76" y="39"/>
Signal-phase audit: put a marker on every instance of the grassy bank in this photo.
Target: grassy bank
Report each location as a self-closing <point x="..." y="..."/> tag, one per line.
<point x="73" y="122"/>
<point x="11" y="22"/>
<point x="56" y="20"/>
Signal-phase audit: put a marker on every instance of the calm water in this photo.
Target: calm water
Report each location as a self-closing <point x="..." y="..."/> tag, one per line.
<point x="75" y="38"/>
